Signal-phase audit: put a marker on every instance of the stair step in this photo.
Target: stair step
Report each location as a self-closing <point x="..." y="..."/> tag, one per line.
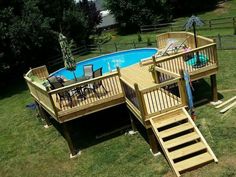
<point x="170" y="120"/>
<point x="176" y="129"/>
<point x="193" y="162"/>
<point x="187" y="150"/>
<point x="181" y="140"/>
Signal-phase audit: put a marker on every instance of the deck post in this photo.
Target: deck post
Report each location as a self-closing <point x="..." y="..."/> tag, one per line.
<point x="119" y="74"/>
<point x="182" y="89"/>
<point x="44" y="115"/>
<point x="141" y="103"/>
<point x="73" y="151"/>
<point x="133" y="126"/>
<point x="153" y="142"/>
<point x="156" y="73"/>
<point x="214" y="88"/>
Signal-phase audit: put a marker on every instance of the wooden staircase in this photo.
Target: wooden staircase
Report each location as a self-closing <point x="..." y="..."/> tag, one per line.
<point x="182" y="143"/>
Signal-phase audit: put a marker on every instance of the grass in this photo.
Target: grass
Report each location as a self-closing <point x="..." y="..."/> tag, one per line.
<point x="29" y="150"/>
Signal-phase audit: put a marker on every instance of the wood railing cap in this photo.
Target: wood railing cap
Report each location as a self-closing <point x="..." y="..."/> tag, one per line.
<point x="69" y="87"/>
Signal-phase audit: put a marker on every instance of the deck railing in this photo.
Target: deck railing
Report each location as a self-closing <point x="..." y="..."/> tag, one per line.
<point x="188" y="60"/>
<point x="148" y="102"/>
<point x="130" y="93"/>
<point x="40" y="72"/>
<point x="41" y="95"/>
<point x="87" y="93"/>
<point x="73" y="97"/>
<point x="186" y="37"/>
<point x="162" y="97"/>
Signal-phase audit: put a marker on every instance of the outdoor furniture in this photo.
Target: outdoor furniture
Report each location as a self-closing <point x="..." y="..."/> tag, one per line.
<point x="55" y="83"/>
<point x="88" y="71"/>
<point x="97" y="84"/>
<point x="163" y="52"/>
<point x="173" y="46"/>
<point x="79" y="89"/>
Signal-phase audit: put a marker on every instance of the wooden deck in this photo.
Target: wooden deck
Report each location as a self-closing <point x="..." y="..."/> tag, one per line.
<point x="134" y="85"/>
<point x="158" y="103"/>
<point x="138" y="74"/>
<point x="162" y="99"/>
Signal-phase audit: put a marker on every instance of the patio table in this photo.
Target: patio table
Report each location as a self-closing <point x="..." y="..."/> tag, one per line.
<point x="79" y="88"/>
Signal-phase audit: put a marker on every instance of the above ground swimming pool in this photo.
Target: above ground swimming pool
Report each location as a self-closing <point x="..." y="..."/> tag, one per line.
<point x="109" y="62"/>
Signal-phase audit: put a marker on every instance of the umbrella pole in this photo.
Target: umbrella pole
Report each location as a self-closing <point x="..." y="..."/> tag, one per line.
<point x="198" y="62"/>
<point x="74" y="75"/>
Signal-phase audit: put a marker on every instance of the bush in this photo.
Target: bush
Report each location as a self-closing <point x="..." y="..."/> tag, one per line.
<point x="139" y="37"/>
<point x="234" y="29"/>
<point x="149" y="43"/>
<point x="104" y="38"/>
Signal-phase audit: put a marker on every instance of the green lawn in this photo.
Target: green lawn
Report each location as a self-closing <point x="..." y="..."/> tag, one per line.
<point x="27" y="149"/>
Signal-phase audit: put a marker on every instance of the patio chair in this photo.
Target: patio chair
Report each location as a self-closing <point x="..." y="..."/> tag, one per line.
<point x="180" y="44"/>
<point x="88" y="71"/>
<point x="97" y="84"/>
<point x="56" y="83"/>
<point x="173" y="46"/>
<point x="164" y="51"/>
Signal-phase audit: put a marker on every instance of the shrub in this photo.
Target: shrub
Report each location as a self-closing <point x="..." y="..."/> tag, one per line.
<point x="139" y="37"/>
<point x="149" y="43"/>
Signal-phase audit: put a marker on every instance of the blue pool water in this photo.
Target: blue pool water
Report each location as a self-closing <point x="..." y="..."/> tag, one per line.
<point x="109" y="62"/>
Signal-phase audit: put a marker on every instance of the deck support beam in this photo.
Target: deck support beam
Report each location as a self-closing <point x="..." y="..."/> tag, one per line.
<point x="44" y="115"/>
<point x="133" y="126"/>
<point x="214" y="88"/>
<point x="73" y="151"/>
<point x="153" y="142"/>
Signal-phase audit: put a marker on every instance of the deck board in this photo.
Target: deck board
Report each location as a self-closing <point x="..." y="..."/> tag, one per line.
<point x="138" y="74"/>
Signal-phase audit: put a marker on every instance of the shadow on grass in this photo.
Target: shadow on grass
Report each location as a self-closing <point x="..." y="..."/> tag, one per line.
<point x="13" y="87"/>
<point x="202" y="91"/>
<point x="98" y="127"/>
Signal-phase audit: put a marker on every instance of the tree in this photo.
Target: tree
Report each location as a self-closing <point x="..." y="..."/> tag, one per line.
<point x="29" y="30"/>
<point x="188" y="7"/>
<point x="23" y="31"/>
<point x="76" y="20"/>
<point x="134" y="13"/>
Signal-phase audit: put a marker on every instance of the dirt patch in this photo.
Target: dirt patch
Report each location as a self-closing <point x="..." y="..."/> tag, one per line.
<point x="222" y="8"/>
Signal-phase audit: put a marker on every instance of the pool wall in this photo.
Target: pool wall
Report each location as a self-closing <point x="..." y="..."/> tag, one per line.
<point x="109" y="62"/>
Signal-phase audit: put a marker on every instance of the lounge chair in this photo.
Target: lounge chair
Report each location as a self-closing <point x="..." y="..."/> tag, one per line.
<point x="173" y="46"/>
<point x="97" y="84"/>
<point x="164" y="51"/>
<point x="56" y="83"/>
<point x="88" y="71"/>
<point x="180" y="44"/>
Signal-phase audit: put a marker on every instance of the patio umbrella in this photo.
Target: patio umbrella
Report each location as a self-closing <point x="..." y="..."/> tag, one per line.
<point x="192" y="22"/>
<point x="69" y="61"/>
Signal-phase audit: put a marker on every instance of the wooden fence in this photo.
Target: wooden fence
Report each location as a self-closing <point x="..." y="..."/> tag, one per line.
<point x="226" y="22"/>
<point x="224" y="42"/>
